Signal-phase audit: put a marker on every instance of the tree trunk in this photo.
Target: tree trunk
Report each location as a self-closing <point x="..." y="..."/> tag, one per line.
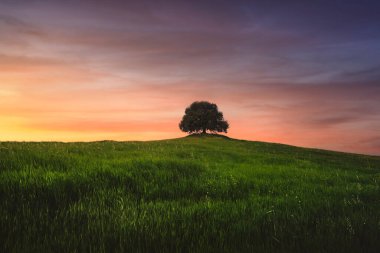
<point x="204" y="131"/>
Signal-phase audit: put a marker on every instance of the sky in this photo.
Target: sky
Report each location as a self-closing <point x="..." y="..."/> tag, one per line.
<point x="304" y="73"/>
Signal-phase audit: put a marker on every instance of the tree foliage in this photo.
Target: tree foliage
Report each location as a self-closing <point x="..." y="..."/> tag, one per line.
<point x="201" y="117"/>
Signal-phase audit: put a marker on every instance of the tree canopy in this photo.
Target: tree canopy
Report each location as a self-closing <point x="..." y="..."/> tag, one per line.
<point x="203" y="116"/>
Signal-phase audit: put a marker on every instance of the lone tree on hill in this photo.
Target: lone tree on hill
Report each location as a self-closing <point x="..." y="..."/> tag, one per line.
<point x="202" y="116"/>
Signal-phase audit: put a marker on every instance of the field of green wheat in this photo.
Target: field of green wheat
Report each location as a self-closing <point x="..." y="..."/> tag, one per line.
<point x="194" y="194"/>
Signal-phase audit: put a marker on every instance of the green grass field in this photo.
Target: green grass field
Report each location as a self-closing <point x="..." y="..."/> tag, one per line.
<point x="195" y="194"/>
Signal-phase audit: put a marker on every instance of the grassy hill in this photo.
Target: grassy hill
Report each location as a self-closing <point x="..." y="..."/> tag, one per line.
<point x="207" y="194"/>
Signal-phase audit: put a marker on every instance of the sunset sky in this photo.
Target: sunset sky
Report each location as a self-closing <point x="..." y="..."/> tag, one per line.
<point x="304" y="73"/>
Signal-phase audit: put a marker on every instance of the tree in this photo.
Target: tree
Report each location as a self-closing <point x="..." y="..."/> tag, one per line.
<point x="202" y="116"/>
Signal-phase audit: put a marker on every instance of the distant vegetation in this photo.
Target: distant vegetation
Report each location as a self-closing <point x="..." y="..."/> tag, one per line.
<point x="207" y="194"/>
<point x="201" y="117"/>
